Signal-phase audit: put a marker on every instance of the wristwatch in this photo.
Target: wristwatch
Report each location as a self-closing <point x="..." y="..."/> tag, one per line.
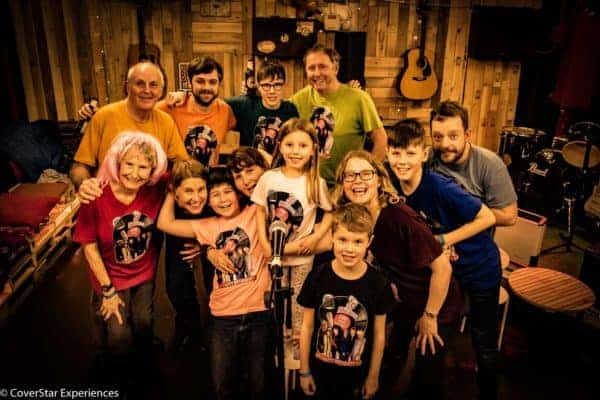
<point x="430" y="314"/>
<point x="106" y="288"/>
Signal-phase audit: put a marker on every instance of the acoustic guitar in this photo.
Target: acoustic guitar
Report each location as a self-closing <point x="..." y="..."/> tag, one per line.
<point x="417" y="79"/>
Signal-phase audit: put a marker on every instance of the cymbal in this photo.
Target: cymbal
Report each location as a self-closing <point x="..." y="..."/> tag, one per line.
<point x="574" y="153"/>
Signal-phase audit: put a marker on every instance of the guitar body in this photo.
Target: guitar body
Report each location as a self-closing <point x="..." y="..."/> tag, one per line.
<point x="418" y="80"/>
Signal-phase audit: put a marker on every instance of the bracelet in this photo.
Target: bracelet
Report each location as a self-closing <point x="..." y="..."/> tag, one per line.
<point x="429" y="314"/>
<point x="108" y="296"/>
<point x="304" y="374"/>
<point x="441" y="239"/>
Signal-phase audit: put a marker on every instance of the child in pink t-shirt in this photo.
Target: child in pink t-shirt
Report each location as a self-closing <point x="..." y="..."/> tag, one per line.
<point x="241" y="326"/>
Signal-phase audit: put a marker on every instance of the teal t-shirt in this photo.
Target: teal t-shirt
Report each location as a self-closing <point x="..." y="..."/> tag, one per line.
<point x="248" y="110"/>
<point x="354" y="114"/>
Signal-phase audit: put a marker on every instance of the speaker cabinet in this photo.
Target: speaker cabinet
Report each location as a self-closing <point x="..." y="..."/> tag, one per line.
<point x="523" y="240"/>
<point x="352" y="47"/>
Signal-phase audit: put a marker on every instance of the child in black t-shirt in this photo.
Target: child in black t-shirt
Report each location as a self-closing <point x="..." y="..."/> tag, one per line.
<point x="345" y="303"/>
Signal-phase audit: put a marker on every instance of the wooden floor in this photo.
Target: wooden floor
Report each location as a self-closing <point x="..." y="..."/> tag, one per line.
<point x="546" y="356"/>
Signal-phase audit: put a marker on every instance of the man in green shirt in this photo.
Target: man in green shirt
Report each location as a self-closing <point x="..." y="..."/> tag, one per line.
<point x="353" y="110"/>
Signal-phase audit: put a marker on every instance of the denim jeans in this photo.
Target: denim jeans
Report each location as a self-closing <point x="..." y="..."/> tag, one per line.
<point x="241" y="355"/>
<point x="484" y="320"/>
<point x="137" y="314"/>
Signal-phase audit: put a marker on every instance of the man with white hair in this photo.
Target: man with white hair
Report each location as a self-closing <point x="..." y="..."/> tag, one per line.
<point x="136" y="113"/>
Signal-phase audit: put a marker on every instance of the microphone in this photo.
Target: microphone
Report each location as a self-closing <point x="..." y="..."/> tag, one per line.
<point x="278" y="230"/>
<point x="82" y="124"/>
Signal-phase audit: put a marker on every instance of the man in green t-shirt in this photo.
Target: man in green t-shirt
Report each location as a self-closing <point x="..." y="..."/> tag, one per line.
<point x="342" y="115"/>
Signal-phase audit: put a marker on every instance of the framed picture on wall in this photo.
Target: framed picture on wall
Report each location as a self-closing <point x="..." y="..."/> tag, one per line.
<point x="184" y="82"/>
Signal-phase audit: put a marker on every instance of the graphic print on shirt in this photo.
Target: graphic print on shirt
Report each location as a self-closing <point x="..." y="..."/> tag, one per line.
<point x="200" y="143"/>
<point x="265" y="133"/>
<point x="324" y="122"/>
<point x="285" y="207"/>
<point x="236" y="245"/>
<point x="342" y="331"/>
<point x="131" y="234"/>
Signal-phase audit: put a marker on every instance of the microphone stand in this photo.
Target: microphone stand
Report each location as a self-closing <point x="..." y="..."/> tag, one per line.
<point x="275" y="299"/>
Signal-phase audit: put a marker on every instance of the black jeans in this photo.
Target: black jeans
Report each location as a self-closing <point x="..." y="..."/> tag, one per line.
<point x="429" y="368"/>
<point x="241" y="356"/>
<point x="137" y="314"/>
<point x="484" y="319"/>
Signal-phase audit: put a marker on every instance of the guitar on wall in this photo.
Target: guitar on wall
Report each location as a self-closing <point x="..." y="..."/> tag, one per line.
<point x="417" y="79"/>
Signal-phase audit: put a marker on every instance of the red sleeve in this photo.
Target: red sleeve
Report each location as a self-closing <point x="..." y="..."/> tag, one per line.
<point x="85" y="229"/>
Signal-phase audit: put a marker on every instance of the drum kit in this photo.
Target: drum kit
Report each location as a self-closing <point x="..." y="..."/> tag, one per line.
<point x="555" y="178"/>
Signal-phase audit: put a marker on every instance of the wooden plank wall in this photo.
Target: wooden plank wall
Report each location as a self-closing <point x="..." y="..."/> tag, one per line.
<point x="69" y="50"/>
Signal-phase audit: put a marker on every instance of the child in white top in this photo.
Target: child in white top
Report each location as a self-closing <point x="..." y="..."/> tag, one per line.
<point x="291" y="192"/>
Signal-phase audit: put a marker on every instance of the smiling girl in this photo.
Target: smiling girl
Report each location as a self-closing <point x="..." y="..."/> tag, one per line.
<point x="291" y="192"/>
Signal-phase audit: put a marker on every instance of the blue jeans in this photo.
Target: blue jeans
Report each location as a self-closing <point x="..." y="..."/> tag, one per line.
<point x="241" y="355"/>
<point x="484" y="319"/>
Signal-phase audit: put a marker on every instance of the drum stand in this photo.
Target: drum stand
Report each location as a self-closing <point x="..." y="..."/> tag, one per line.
<point x="570" y="205"/>
<point x="568" y="238"/>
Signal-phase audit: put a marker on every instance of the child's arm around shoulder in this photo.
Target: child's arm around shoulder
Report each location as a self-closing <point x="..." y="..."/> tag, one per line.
<point x="167" y="222"/>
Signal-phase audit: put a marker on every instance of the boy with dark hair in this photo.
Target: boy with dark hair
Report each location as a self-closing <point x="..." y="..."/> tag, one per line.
<point x="269" y="104"/>
<point x="247" y="165"/>
<point x="460" y="220"/>
<point x="345" y="305"/>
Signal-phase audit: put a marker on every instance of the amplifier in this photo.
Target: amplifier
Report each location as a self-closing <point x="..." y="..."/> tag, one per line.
<point x="523" y="240"/>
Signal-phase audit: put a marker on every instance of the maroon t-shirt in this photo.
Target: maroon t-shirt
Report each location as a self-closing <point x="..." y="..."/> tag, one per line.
<point x="404" y="247"/>
<point x="126" y="235"/>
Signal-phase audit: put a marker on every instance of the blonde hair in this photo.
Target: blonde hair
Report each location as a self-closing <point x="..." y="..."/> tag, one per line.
<point x="387" y="193"/>
<point x="184" y="169"/>
<point x="148" y="145"/>
<point x="354" y="217"/>
<point x="311" y="168"/>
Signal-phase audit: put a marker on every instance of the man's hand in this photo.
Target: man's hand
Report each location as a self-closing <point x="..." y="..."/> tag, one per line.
<point x="175" y="99"/>
<point x="220" y="261"/>
<point x="427" y="334"/>
<point x="87" y="110"/>
<point x="355" y="84"/>
<point x="89" y="190"/>
<point x="110" y="307"/>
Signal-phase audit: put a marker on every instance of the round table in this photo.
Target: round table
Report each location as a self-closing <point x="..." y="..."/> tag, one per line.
<point x="551" y="290"/>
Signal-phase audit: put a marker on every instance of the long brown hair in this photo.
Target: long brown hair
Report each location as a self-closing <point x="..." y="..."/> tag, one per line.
<point x="311" y="168"/>
<point x="387" y="193"/>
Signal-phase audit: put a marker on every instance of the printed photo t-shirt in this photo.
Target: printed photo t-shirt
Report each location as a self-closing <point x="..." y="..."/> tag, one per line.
<point x="242" y="292"/>
<point x="344" y="314"/>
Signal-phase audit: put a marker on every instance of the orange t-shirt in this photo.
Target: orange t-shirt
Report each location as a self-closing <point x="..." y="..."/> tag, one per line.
<point x="243" y="292"/>
<point x="113" y="119"/>
<point x="219" y="118"/>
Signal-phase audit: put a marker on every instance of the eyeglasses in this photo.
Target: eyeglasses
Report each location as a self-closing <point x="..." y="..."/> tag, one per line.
<point x="365" y="175"/>
<point x="277" y="86"/>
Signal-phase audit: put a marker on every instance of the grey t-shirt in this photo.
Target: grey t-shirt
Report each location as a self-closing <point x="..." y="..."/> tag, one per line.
<point x="483" y="174"/>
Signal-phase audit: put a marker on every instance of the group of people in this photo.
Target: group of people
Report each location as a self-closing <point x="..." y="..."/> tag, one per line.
<point x="397" y="241"/>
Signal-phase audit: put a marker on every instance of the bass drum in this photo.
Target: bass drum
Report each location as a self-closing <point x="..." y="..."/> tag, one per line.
<point x="547" y="181"/>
